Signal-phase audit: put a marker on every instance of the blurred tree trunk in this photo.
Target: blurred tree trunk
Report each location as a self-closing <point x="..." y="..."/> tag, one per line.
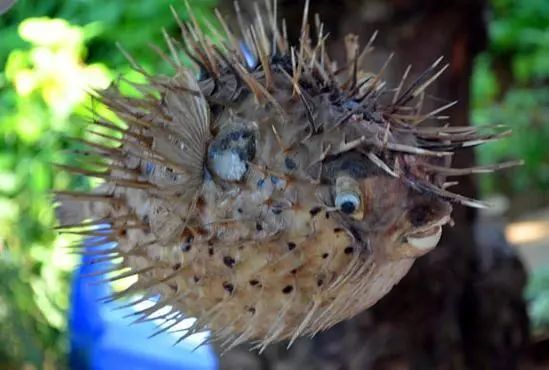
<point x="461" y="305"/>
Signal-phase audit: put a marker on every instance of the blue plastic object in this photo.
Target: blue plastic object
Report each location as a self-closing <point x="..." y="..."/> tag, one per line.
<point x="102" y="337"/>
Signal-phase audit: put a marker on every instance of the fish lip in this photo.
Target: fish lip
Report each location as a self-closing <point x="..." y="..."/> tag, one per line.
<point x="427" y="237"/>
<point x="422" y="231"/>
<point x="425" y="242"/>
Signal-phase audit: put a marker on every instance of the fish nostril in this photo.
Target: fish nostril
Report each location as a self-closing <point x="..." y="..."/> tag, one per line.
<point x="420" y="215"/>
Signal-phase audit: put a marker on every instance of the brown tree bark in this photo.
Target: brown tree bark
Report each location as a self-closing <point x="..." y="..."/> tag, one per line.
<point x="461" y="306"/>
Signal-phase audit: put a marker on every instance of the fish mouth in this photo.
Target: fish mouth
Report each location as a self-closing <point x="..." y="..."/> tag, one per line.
<point x="428" y="236"/>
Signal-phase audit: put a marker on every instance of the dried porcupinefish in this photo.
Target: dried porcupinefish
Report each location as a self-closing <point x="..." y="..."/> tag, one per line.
<point x="273" y="196"/>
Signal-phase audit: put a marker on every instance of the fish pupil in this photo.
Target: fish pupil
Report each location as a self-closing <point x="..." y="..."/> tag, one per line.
<point x="348" y="207"/>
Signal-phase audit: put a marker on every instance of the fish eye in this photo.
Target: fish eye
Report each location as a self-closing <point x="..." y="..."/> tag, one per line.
<point x="347" y="202"/>
<point x="348" y="197"/>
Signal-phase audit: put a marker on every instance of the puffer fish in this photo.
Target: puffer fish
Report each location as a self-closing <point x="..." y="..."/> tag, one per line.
<point x="261" y="188"/>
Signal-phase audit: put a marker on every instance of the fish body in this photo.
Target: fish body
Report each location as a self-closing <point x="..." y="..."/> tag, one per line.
<point x="268" y="200"/>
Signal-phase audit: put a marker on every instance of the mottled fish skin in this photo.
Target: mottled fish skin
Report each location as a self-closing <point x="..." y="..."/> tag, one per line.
<point x="270" y="201"/>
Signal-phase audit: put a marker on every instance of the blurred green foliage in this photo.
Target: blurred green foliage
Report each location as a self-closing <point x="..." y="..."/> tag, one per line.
<point x="510" y="87"/>
<point x="51" y="52"/>
<point x="537" y="295"/>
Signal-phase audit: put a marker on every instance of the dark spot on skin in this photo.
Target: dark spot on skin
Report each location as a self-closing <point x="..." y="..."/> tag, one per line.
<point x="200" y="202"/>
<point x="338" y="230"/>
<point x="254" y="282"/>
<point x="348" y="208"/>
<point x="325" y="255"/>
<point x="258" y="226"/>
<point x="239" y="210"/>
<point x="287" y="289"/>
<point x="251" y="147"/>
<point x="291" y="245"/>
<point x="348" y="250"/>
<point x="314" y="211"/>
<point x="290" y="163"/>
<point x="196" y="279"/>
<point x="177" y="266"/>
<point x="319" y="282"/>
<point x="210" y="251"/>
<point x="293" y="272"/>
<point x="251" y="310"/>
<point x="228" y="287"/>
<point x="229" y="261"/>
<point x="327" y="215"/>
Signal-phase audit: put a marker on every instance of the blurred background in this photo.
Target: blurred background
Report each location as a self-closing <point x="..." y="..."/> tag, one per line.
<point x="52" y="51"/>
